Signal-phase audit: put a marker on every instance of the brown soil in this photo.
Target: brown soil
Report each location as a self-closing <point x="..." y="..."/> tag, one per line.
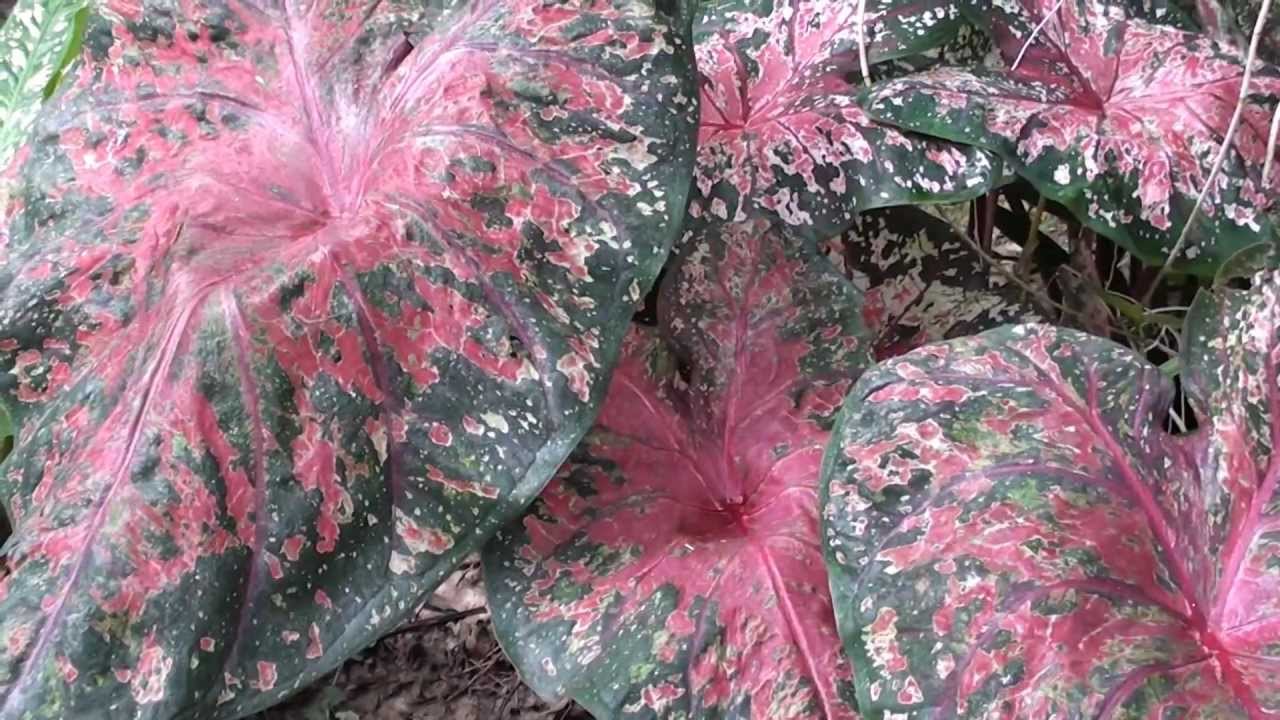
<point x="443" y="665"/>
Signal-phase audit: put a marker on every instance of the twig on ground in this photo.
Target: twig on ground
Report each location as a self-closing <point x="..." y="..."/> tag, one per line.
<point x="480" y="671"/>
<point x="506" y="700"/>
<point x="1227" y="140"/>
<point x="437" y="621"/>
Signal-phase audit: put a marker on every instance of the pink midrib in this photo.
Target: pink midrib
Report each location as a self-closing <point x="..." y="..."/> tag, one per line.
<point x="1155" y="517"/>
<point x="794" y="628"/>
<point x="1160" y="527"/>
<point x="159" y="369"/>
<point x="735" y="488"/>
<point x="1239" y="541"/>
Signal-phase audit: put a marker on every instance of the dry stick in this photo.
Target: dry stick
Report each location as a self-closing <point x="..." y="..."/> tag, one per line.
<point x="1032" y="37"/>
<point x="485" y="666"/>
<point x="862" y="42"/>
<point x="431" y="622"/>
<point x="1227" y="140"/>
<point x="1271" y="146"/>
<point x="506" y="700"/>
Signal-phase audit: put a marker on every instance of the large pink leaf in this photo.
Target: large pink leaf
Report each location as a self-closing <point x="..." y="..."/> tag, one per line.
<point x="781" y="130"/>
<point x="673" y="568"/>
<point x="1116" y="118"/>
<point x="1012" y="532"/>
<point x="301" y="300"/>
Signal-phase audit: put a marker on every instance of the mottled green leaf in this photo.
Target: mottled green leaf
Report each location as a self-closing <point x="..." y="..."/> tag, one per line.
<point x="921" y="282"/>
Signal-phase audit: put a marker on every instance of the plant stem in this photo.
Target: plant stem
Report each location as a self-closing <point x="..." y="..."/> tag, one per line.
<point x="862" y="42"/>
<point x="1027" y="257"/>
<point x="1041" y="299"/>
<point x="1032" y="37"/>
<point x="1271" y="147"/>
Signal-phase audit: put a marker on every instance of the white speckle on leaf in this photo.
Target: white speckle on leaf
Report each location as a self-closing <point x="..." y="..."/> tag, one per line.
<point x="495" y="421"/>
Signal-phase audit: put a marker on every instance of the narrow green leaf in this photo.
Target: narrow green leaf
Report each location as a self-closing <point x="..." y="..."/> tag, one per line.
<point x="74" y="43"/>
<point x="36" y="43"/>
<point x="1138" y="314"/>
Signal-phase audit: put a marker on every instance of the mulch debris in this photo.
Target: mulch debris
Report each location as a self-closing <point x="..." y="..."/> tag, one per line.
<point x="444" y="664"/>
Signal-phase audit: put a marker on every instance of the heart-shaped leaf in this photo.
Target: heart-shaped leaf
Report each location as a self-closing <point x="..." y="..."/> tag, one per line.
<point x="300" y="301"/>
<point x="921" y="282"/>
<point x="781" y="129"/>
<point x="1011" y="531"/>
<point x="672" y="568"/>
<point x="1118" y="119"/>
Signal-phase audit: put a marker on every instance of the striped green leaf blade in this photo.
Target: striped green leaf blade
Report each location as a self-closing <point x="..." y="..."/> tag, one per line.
<point x="33" y="48"/>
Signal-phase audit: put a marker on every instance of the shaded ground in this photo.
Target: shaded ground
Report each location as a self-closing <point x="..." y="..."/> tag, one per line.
<point x="444" y="665"/>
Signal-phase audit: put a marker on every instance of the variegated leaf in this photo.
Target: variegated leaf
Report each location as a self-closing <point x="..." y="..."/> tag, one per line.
<point x="299" y="302"/>
<point x="1011" y="531"/>
<point x="921" y="282"/>
<point x="1118" y="119"/>
<point x="672" y="569"/>
<point x="781" y="129"/>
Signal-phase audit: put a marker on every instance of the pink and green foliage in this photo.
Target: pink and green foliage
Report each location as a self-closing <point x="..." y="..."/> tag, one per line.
<point x="300" y="301"/>
<point x="1116" y="118"/>
<point x="303" y="300"/>
<point x="921" y="282"/>
<point x="673" y="567"/>
<point x="781" y="129"/>
<point x="1011" y="531"/>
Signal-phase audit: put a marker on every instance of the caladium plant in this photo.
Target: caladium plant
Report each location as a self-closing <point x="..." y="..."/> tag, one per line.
<point x="1116" y="118"/>
<point x="781" y="130"/>
<point x="672" y="568"/>
<point x="1011" y="531"/>
<point x="921" y="281"/>
<point x="299" y="302"/>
